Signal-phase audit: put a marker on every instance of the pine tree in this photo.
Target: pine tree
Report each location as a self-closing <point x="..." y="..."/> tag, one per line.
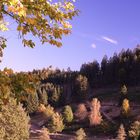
<point x="81" y="87"/>
<point x="67" y="114"/>
<point x="121" y="133"/>
<point x="14" y="122"/>
<point x="55" y="123"/>
<point x="80" y="134"/>
<point x="44" y="134"/>
<point x="48" y="111"/>
<point x="54" y="97"/>
<point x="95" y="117"/>
<point x="135" y="130"/>
<point x="81" y="112"/>
<point x="42" y="95"/>
<point x="123" y="94"/>
<point x="124" y="90"/>
<point x="125" y="109"/>
<point x="32" y="103"/>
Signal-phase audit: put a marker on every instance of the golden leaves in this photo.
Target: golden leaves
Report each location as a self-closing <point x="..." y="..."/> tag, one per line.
<point x="16" y="7"/>
<point x="3" y="25"/>
<point x="44" y="19"/>
<point x="31" y="21"/>
<point x="29" y="43"/>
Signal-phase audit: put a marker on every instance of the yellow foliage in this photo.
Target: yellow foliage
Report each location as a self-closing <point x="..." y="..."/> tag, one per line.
<point x="125" y="107"/>
<point x="41" y="18"/>
<point x="3" y="25"/>
<point x="41" y="108"/>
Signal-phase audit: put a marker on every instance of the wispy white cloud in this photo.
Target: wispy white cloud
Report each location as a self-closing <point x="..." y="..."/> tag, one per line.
<point x="110" y="40"/>
<point x="93" y="45"/>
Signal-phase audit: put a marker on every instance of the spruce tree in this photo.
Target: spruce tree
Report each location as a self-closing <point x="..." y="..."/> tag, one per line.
<point x="14" y="122"/>
<point x="135" y="130"/>
<point x="32" y="103"/>
<point x="55" y="123"/>
<point x="81" y="87"/>
<point x="80" y="134"/>
<point x="67" y="114"/>
<point x="121" y="133"/>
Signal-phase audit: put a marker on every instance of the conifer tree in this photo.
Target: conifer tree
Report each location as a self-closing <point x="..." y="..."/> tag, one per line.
<point x="124" y="90"/>
<point x="95" y="117"/>
<point x="80" y="134"/>
<point x="121" y="133"/>
<point x="32" y="103"/>
<point x="81" y="112"/>
<point x="125" y="109"/>
<point x="42" y="95"/>
<point x="55" y="123"/>
<point x="67" y="114"/>
<point x="55" y="97"/>
<point x="123" y="94"/>
<point x="135" y="130"/>
<point x="14" y="122"/>
<point x="81" y="87"/>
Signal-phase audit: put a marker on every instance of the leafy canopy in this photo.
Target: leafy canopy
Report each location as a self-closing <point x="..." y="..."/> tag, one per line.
<point x="45" y="19"/>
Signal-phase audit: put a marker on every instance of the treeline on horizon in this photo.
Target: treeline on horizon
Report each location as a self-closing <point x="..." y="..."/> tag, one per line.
<point x="56" y="87"/>
<point x="120" y="69"/>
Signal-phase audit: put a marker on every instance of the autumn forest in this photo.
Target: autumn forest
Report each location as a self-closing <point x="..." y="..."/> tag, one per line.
<point x="100" y="101"/>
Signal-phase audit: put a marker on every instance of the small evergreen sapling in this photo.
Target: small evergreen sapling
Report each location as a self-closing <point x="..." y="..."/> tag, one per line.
<point x="67" y="114"/>
<point x="123" y="94"/>
<point x="124" y="90"/>
<point x="125" y="109"/>
<point x="44" y="134"/>
<point x="135" y="130"/>
<point x="80" y="134"/>
<point x="121" y="133"/>
<point x="81" y="112"/>
<point x="55" y="123"/>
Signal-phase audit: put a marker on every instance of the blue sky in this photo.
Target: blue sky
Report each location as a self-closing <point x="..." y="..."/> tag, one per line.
<point x="102" y="27"/>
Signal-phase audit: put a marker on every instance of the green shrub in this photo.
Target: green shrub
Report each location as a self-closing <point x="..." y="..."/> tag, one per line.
<point x="14" y="123"/>
<point x="67" y="114"/>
